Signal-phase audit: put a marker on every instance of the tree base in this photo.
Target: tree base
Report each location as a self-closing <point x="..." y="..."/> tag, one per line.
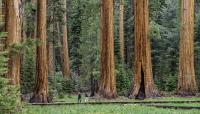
<point x="142" y="96"/>
<point x="107" y="95"/>
<point x="39" y="99"/>
<point x="185" y="94"/>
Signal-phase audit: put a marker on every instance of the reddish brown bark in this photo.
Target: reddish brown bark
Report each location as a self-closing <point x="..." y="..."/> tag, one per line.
<point x="143" y="86"/>
<point x="186" y="82"/>
<point x="107" y="77"/>
<point x="41" y="89"/>
<point x="13" y="28"/>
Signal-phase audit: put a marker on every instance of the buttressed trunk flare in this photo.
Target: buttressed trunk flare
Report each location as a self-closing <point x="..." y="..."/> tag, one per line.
<point x="143" y="86"/>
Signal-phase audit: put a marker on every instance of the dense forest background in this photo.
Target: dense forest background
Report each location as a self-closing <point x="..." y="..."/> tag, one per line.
<point x="83" y="38"/>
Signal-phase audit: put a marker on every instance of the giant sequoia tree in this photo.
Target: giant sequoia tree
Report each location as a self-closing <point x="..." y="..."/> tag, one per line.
<point x="41" y="89"/>
<point x="107" y="68"/>
<point x="143" y="86"/>
<point x="13" y="27"/>
<point x="186" y="81"/>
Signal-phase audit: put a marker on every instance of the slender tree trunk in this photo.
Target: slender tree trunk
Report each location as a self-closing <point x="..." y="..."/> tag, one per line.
<point x="41" y="89"/>
<point x="34" y="2"/>
<point x="64" y="50"/>
<point x="2" y="16"/>
<point x="34" y="34"/>
<point x="51" y="61"/>
<point x="143" y="86"/>
<point x="107" y="77"/>
<point x="121" y="30"/>
<point x="13" y="27"/>
<point x="186" y="81"/>
<point x="50" y="47"/>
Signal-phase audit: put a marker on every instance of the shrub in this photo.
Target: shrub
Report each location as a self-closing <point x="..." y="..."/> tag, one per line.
<point x="9" y="94"/>
<point x="123" y="80"/>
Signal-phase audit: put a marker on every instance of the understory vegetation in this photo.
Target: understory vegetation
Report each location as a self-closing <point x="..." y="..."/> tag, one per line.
<point x="104" y="109"/>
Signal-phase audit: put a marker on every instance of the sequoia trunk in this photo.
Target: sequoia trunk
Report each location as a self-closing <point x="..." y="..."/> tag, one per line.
<point x="143" y="86"/>
<point x="13" y="28"/>
<point x="41" y="89"/>
<point x="186" y="81"/>
<point x="107" y="68"/>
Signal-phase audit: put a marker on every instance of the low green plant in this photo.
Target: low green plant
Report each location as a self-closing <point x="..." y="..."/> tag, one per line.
<point x="9" y="94"/>
<point x="123" y="80"/>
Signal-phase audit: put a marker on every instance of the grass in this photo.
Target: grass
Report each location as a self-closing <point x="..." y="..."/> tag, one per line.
<point x="103" y="109"/>
<point x="111" y="108"/>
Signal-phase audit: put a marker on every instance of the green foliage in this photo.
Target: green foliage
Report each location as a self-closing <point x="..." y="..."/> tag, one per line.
<point x="28" y="67"/>
<point x="75" y="25"/>
<point x="67" y="86"/>
<point x="165" y="44"/>
<point x="59" y="86"/>
<point x="61" y="95"/>
<point x="9" y="94"/>
<point x="129" y="33"/>
<point x="170" y="83"/>
<point x="123" y="80"/>
<point x="29" y="16"/>
<point x="197" y="48"/>
<point x="155" y="30"/>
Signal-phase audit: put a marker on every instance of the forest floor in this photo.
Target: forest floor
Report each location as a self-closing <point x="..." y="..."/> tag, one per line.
<point x="104" y="109"/>
<point x="113" y="108"/>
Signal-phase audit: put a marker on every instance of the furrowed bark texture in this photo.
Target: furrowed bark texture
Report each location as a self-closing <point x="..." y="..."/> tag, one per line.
<point x="186" y="82"/>
<point x="143" y="86"/>
<point x="107" y="76"/>
<point x="13" y="28"/>
<point x="41" y="89"/>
